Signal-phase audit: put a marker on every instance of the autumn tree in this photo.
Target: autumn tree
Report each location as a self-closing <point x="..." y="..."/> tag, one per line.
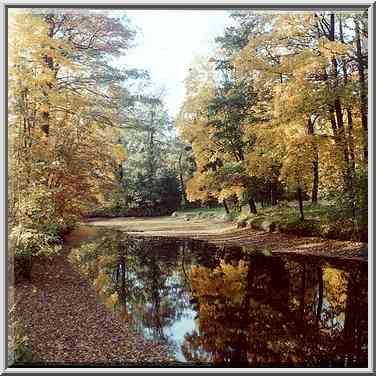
<point x="63" y="119"/>
<point x="279" y="107"/>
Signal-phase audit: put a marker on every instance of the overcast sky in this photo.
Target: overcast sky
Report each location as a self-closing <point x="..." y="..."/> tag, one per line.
<point x="168" y="41"/>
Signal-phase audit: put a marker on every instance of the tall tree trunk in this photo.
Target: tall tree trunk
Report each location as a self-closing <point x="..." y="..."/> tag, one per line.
<point x="363" y="89"/>
<point x="184" y="195"/>
<point x="300" y="198"/>
<point x="315" y="162"/>
<point x="251" y="201"/>
<point x="340" y="137"/>
<point x="350" y="135"/>
<point x="45" y="124"/>
<point x="315" y="182"/>
<point x="252" y="206"/>
<point x="273" y="192"/>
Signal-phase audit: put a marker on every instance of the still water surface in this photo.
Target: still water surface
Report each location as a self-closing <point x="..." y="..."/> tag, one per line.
<point x="231" y="305"/>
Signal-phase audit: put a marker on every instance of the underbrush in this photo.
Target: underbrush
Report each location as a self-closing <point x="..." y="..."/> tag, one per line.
<point x="322" y="221"/>
<point x="27" y="243"/>
<point x="18" y="343"/>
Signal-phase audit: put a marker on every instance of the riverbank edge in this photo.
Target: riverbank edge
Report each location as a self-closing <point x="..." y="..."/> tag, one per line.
<point x="276" y="242"/>
<point x="67" y="323"/>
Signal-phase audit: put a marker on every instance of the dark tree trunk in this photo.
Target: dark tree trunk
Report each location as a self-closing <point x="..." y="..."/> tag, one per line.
<point x="300" y="198"/>
<point x="273" y="193"/>
<point x="363" y="89"/>
<point x="315" y="183"/>
<point x="340" y="137"/>
<point x="350" y="135"/>
<point x="45" y="124"/>
<point x="184" y="196"/>
<point x="315" y="162"/>
<point x="226" y="207"/>
<point x="252" y="206"/>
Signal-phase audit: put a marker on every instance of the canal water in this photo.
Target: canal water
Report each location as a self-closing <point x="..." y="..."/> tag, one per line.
<point x="230" y="305"/>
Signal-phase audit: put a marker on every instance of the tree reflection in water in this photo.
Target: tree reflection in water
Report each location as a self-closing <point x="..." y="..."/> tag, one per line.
<point x="252" y="309"/>
<point x="300" y="312"/>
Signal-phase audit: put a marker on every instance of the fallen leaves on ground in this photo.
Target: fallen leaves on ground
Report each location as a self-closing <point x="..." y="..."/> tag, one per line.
<point x="66" y="322"/>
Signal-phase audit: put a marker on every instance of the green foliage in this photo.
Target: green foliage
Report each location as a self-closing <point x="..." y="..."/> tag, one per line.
<point x="160" y="196"/>
<point x="18" y="342"/>
<point x="321" y="220"/>
<point x="27" y="243"/>
<point x="30" y="242"/>
<point x="308" y="227"/>
<point x="38" y="209"/>
<point x="233" y="215"/>
<point x="150" y="173"/>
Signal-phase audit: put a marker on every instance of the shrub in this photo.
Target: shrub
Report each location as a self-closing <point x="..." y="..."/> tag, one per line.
<point x="308" y="227"/>
<point x="344" y="229"/>
<point x="26" y="243"/>
<point x="233" y="215"/>
<point x="18" y="343"/>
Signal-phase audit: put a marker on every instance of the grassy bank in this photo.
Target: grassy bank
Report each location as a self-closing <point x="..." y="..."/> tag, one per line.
<point x="320" y="220"/>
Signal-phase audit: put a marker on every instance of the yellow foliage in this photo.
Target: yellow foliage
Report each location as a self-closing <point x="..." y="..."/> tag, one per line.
<point x="100" y="281"/>
<point x="56" y="145"/>
<point x="336" y="282"/>
<point x="114" y="298"/>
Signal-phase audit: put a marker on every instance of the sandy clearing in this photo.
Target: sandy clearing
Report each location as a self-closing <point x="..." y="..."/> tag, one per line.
<point x="165" y="225"/>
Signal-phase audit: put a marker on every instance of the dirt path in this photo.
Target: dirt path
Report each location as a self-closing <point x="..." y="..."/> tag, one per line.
<point x="66" y="323"/>
<point x="165" y="225"/>
<point x="217" y="231"/>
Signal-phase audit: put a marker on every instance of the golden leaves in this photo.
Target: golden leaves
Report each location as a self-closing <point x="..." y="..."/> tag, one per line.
<point x="100" y="281"/>
<point x="336" y="282"/>
<point x="297" y="164"/>
<point x="119" y="153"/>
<point x="227" y="279"/>
<point x="112" y="300"/>
<point x="48" y="89"/>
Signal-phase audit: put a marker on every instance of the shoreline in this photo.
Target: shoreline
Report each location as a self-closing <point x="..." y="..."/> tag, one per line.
<point x="207" y="230"/>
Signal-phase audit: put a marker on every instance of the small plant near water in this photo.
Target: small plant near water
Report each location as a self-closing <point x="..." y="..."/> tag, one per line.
<point x="18" y="342"/>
